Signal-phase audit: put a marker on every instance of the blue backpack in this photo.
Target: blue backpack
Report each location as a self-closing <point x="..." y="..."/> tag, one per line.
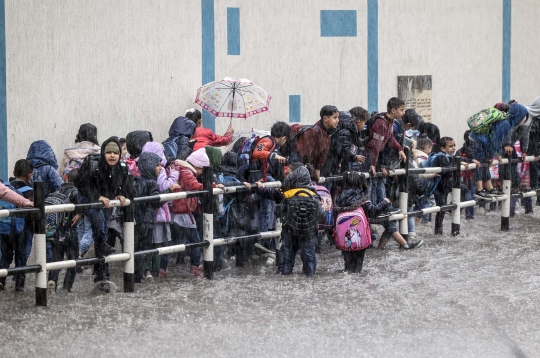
<point x="12" y="224"/>
<point x="429" y="185"/>
<point x="172" y="150"/>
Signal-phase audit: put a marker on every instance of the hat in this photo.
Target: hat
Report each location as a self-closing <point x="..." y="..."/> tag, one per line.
<point x="199" y="158"/>
<point x="534" y="108"/>
<point x="214" y="156"/>
<point x="112" y="147"/>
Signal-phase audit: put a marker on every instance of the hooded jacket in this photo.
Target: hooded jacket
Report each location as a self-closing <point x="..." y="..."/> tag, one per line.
<point x="166" y="178"/>
<point x="205" y="137"/>
<point x="314" y="145"/>
<point x="146" y="185"/>
<point x="500" y="130"/>
<point x="77" y="152"/>
<point x="354" y="198"/>
<point x="382" y="132"/>
<point x="42" y="157"/>
<point x="180" y="132"/>
<point x="103" y="180"/>
<point x="135" y="141"/>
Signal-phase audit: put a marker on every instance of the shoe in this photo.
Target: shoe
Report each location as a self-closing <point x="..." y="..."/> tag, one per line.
<point x="104" y="250"/>
<point x="483" y="195"/>
<point x="196" y="271"/>
<point x="263" y="249"/>
<point x="271" y="260"/>
<point x="413" y="245"/>
<point x="495" y="192"/>
<point x="162" y="273"/>
<point x="51" y="286"/>
<point x="105" y="287"/>
<point x="148" y="277"/>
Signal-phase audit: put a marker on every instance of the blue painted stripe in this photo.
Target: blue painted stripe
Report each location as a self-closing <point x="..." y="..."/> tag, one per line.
<point x="233" y="31"/>
<point x="3" y="96"/>
<point x="294" y="108"/>
<point x="373" y="55"/>
<point x="208" y="54"/>
<point x="338" y="23"/>
<point x="507" y="49"/>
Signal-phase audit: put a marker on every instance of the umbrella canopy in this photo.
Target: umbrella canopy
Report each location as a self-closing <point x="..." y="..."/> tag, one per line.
<point x="233" y="98"/>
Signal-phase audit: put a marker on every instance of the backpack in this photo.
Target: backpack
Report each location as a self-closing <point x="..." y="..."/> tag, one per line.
<point x="481" y="122"/>
<point x="222" y="208"/>
<point x="11" y="224"/>
<point x="301" y="212"/>
<point x="171" y="149"/>
<point x="372" y="119"/>
<point x="430" y="184"/>
<point x="327" y="205"/>
<point x="72" y="164"/>
<point x="352" y="232"/>
<point x="56" y="223"/>
<point x="296" y="131"/>
<point x="245" y="157"/>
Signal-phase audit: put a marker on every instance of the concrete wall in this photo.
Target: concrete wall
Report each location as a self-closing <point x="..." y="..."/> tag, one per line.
<point x="136" y="64"/>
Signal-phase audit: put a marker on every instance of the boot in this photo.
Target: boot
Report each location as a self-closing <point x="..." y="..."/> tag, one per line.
<point x="196" y="271"/>
<point x="104" y="286"/>
<point x="104" y="250"/>
<point x="19" y="282"/>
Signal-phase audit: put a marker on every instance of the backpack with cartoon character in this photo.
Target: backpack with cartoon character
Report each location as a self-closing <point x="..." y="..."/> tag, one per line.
<point x="352" y="232"/>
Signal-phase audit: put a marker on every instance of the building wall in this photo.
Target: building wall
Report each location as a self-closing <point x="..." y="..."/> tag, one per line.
<point x="136" y="64"/>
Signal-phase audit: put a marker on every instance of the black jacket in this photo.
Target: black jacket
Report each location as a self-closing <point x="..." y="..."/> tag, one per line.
<point x="353" y="198"/>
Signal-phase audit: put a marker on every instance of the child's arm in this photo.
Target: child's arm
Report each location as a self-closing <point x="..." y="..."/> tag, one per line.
<point x="9" y="195"/>
<point x="271" y="194"/>
<point x="372" y="210"/>
<point x="167" y="178"/>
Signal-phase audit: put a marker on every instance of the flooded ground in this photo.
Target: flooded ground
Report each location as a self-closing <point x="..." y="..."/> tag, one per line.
<point x="476" y="295"/>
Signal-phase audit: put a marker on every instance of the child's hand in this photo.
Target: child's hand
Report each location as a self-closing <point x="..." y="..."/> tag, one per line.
<point x="29" y="205"/>
<point x="220" y="186"/>
<point x="76" y="219"/>
<point x="476" y="162"/>
<point x="281" y="159"/>
<point x="122" y="200"/>
<point x="387" y="200"/>
<point x="508" y="150"/>
<point x="466" y="165"/>
<point x="105" y="201"/>
<point x="175" y="186"/>
<point x="248" y="185"/>
<point x="360" y="158"/>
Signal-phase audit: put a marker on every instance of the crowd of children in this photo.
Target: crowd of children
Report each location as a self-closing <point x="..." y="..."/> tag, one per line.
<point x="344" y="143"/>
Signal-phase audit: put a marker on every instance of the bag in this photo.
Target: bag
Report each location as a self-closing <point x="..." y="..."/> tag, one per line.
<point x="327" y="205"/>
<point x="352" y="231"/>
<point x="73" y="164"/>
<point x="11" y="224"/>
<point x="297" y="130"/>
<point x="430" y="184"/>
<point x="237" y="215"/>
<point x="55" y="222"/>
<point x="245" y="157"/>
<point x="222" y="208"/>
<point x="301" y="213"/>
<point x="481" y="122"/>
<point x="171" y="149"/>
<point x="184" y="206"/>
<point x="372" y="119"/>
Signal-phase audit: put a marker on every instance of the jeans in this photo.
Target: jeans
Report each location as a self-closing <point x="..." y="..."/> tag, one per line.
<point x="188" y="235"/>
<point x="469" y="195"/>
<point x="143" y="242"/>
<point x="13" y="247"/>
<point x="84" y="232"/>
<point x="378" y="191"/>
<point x="70" y="250"/>
<point x="290" y="245"/>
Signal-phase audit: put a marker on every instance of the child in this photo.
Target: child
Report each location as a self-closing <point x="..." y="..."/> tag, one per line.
<point x="167" y="182"/>
<point x="298" y="179"/>
<point x="485" y="146"/>
<point x="466" y="153"/>
<point x="14" y="245"/>
<point x="42" y="157"/>
<point x="353" y="197"/>
<point x="184" y="226"/>
<point x="149" y="165"/>
<point x="86" y="142"/>
<point x="204" y="137"/>
<point x="102" y="179"/>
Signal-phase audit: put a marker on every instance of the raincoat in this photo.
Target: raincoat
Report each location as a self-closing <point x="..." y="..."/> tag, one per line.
<point x="146" y="185"/>
<point x="205" y="137"/>
<point x="180" y="132"/>
<point x="42" y="157"/>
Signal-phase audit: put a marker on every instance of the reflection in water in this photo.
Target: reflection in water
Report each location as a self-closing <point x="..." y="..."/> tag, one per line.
<point x="472" y="296"/>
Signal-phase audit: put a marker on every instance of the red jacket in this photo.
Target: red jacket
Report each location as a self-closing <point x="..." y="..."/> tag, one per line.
<point x="264" y="152"/>
<point x="314" y="144"/>
<point x="205" y="137"/>
<point x="382" y="132"/>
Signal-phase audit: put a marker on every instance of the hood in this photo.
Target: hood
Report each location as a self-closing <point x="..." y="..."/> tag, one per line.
<point x="156" y="148"/>
<point x="147" y="164"/>
<point x="229" y="163"/>
<point x="41" y="153"/>
<point x="347" y="121"/>
<point x="534" y="108"/>
<point x="88" y="133"/>
<point x="299" y="178"/>
<point x="181" y="126"/>
<point x="176" y="164"/>
<point x="350" y="199"/>
<point x="103" y="145"/>
<point x="517" y="113"/>
<point x="214" y="154"/>
<point x="136" y="140"/>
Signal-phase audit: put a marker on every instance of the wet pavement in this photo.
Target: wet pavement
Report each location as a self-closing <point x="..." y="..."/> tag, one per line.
<point x="476" y="295"/>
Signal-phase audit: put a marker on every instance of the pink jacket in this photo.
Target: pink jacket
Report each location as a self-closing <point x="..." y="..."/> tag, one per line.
<point x="9" y="195"/>
<point x="78" y="151"/>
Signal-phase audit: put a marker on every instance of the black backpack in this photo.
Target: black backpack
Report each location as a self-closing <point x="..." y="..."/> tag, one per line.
<point x="58" y="225"/>
<point x="301" y="213"/>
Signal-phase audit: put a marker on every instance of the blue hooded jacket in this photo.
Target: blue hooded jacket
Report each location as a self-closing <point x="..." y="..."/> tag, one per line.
<point x="500" y="130"/>
<point x="42" y="157"/>
<point x="181" y="130"/>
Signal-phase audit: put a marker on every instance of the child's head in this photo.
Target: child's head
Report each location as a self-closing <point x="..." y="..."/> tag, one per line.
<point x="466" y="137"/>
<point x="312" y="172"/>
<point x="424" y="143"/>
<point x="195" y="115"/>
<point x="354" y="180"/>
<point x="72" y="175"/>
<point x="87" y="132"/>
<point x="23" y="170"/>
<point x="112" y="152"/>
<point x="448" y="145"/>
<point x="361" y="115"/>
<point x="149" y="165"/>
<point x="199" y="159"/>
<point x="330" y="116"/>
<point x="410" y="119"/>
<point x="395" y="109"/>
<point x="123" y="146"/>
<point x="281" y="132"/>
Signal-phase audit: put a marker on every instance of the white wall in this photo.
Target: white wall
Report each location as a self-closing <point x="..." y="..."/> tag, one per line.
<point x="136" y="64"/>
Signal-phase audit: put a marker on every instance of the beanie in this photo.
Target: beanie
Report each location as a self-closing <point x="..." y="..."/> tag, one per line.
<point x="112" y="147"/>
<point x="214" y="156"/>
<point x="199" y="158"/>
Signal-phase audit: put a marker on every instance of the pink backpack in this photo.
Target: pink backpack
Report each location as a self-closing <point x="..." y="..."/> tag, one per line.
<point x="327" y="205"/>
<point x="352" y="231"/>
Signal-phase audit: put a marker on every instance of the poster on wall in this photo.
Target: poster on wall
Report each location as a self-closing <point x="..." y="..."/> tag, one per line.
<point x="416" y="92"/>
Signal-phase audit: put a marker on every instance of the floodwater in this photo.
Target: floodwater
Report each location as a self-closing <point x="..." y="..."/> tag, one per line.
<point x="476" y="295"/>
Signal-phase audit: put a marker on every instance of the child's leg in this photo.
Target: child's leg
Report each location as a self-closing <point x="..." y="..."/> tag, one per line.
<point x="359" y="260"/>
<point x="193" y="236"/>
<point x="84" y="232"/>
<point x="309" y="259"/>
<point x="289" y="252"/>
<point x="440" y="199"/>
<point x="72" y="252"/>
<point x="348" y="258"/>
<point x="20" y="259"/>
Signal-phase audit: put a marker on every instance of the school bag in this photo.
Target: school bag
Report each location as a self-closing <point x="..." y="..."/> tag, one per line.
<point x="301" y="212"/>
<point x="11" y="224"/>
<point x="481" y="122"/>
<point x="55" y="223"/>
<point x="245" y="156"/>
<point x="171" y="149"/>
<point x="430" y="184"/>
<point x="327" y="205"/>
<point x="352" y="232"/>
<point x="222" y="208"/>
